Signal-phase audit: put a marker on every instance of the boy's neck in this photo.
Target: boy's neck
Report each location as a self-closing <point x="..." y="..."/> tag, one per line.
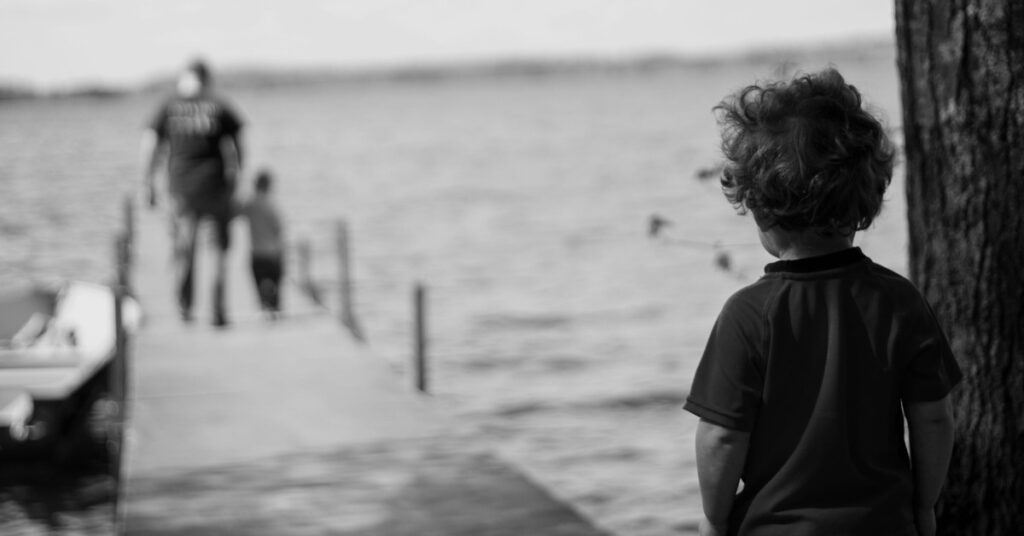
<point x="792" y="245"/>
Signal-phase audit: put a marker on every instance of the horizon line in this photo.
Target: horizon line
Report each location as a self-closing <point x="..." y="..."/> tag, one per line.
<point x="508" y="64"/>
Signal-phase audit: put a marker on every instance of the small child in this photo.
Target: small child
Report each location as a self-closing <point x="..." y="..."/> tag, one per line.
<point x="267" y="238"/>
<point x="809" y="372"/>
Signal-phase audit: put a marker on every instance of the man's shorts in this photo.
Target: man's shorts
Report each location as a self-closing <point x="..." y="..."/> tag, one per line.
<point x="219" y="210"/>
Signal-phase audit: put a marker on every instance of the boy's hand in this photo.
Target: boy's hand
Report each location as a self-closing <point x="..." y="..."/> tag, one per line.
<point x="707" y="528"/>
<point x="924" y="520"/>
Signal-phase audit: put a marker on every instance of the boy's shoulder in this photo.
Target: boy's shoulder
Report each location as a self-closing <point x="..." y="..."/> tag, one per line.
<point x="759" y="295"/>
<point x="752" y="300"/>
<point x="897" y="288"/>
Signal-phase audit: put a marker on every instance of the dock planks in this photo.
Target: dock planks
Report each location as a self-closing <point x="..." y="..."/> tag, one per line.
<point x="292" y="427"/>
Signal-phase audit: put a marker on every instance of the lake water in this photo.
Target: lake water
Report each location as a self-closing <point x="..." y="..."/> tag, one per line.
<point x="558" y="328"/>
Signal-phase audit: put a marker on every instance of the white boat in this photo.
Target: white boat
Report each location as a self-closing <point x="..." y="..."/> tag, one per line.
<point x="56" y="354"/>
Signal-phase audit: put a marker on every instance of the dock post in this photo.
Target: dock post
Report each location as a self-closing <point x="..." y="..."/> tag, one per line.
<point x="125" y="248"/>
<point x="304" y="265"/>
<point x="420" y="334"/>
<point x="119" y="373"/>
<point x="128" y="213"/>
<point x="348" y="317"/>
<point x="117" y="378"/>
<point x="122" y="261"/>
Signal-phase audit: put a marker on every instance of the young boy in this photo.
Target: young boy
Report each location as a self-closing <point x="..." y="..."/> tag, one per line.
<point x="267" y="237"/>
<point x="808" y="374"/>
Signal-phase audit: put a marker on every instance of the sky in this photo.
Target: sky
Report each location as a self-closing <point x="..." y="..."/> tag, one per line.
<point x="55" y="43"/>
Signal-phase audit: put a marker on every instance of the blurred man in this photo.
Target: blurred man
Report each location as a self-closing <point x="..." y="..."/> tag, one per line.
<point x="199" y="132"/>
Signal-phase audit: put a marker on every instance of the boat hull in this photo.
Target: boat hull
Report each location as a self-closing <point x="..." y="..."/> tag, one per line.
<point x="58" y="376"/>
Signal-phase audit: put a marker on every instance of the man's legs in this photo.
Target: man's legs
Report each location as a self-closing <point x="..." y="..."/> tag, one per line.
<point x="220" y="275"/>
<point x="184" y="225"/>
<point x="274" y="295"/>
<point x="222" y="223"/>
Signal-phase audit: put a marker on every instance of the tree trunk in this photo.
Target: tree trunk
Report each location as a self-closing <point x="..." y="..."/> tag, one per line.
<point x="962" y="73"/>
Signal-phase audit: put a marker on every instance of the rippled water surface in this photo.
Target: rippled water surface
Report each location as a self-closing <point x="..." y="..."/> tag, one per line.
<point x="557" y="326"/>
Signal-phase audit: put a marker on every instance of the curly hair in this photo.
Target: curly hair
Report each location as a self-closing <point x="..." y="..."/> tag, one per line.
<point x="804" y="155"/>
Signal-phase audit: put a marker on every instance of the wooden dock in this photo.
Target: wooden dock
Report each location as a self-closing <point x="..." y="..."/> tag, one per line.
<point x="292" y="427"/>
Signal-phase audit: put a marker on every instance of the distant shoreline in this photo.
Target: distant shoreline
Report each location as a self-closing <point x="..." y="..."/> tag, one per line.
<point x="256" y="77"/>
<point x="13" y="92"/>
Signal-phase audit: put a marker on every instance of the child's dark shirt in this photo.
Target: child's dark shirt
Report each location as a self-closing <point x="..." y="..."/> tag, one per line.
<point x="814" y="360"/>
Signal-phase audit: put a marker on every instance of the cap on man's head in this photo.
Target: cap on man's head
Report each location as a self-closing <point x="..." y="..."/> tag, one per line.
<point x="201" y="70"/>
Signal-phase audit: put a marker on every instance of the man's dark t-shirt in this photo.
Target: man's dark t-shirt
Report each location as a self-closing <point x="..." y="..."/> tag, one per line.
<point x="193" y="129"/>
<point x="814" y="360"/>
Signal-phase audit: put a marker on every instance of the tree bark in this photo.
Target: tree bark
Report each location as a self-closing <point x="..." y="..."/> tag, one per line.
<point x="961" y="66"/>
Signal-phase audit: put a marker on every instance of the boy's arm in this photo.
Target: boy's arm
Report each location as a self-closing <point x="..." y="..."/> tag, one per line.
<point x="721" y="455"/>
<point x="931" y="446"/>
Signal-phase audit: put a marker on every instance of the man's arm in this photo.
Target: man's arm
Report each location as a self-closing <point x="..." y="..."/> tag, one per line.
<point x="721" y="455"/>
<point x="151" y="153"/>
<point x="231" y="149"/>
<point x="931" y="446"/>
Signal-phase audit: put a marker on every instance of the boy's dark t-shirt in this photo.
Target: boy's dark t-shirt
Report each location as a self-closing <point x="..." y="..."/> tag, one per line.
<point x="814" y="360"/>
<point x="193" y="128"/>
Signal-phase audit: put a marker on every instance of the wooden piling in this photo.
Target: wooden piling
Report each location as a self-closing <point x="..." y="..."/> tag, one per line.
<point x="420" y="337"/>
<point x="346" y="298"/>
<point x="118" y="369"/>
<point x="124" y="245"/>
<point x="117" y="372"/>
<point x="128" y="215"/>
<point x="117" y="378"/>
<point x="122" y="265"/>
<point x="304" y="267"/>
<point x="119" y="365"/>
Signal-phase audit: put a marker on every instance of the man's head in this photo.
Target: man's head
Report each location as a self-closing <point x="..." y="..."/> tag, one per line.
<point x="804" y="156"/>
<point x="194" y="79"/>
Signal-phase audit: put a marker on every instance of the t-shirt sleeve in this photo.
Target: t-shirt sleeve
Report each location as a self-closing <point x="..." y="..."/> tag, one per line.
<point x="932" y="371"/>
<point x="158" y="123"/>
<point x="727" y="386"/>
<point x="230" y="122"/>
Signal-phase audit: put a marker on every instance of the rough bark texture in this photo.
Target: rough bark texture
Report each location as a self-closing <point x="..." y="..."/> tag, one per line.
<point x="962" y="70"/>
